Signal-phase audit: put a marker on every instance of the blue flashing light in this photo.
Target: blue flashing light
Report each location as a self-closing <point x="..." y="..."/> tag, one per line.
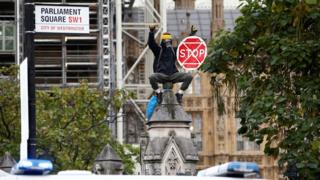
<point x="32" y="167"/>
<point x="243" y="167"/>
<point x="231" y="169"/>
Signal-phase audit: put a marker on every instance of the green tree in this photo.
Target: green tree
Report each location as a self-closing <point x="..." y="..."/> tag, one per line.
<point x="71" y="124"/>
<point x="9" y="111"/>
<point x="272" y="59"/>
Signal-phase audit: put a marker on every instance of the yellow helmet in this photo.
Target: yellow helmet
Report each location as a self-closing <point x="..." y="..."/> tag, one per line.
<point x="166" y="36"/>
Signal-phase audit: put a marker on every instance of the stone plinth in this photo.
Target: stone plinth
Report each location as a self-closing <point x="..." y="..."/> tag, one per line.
<point x="108" y="162"/>
<point x="170" y="149"/>
<point x="7" y="162"/>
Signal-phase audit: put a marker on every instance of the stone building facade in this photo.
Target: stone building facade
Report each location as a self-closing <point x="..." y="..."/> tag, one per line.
<point x="65" y="59"/>
<point x="216" y="137"/>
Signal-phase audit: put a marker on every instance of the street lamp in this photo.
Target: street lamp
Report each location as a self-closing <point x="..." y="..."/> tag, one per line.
<point x="28" y="48"/>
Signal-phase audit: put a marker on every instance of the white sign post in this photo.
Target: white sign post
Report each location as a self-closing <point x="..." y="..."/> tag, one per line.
<point x="62" y="19"/>
<point x="24" y="109"/>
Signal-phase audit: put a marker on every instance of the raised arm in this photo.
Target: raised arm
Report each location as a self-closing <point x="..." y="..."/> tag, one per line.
<point x="193" y="30"/>
<point x="155" y="48"/>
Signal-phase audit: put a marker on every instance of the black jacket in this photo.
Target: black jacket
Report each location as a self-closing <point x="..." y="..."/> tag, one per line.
<point x="164" y="57"/>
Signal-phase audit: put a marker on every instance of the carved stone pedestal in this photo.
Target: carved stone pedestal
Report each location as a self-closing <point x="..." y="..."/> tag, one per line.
<point x="7" y="162"/>
<point x="108" y="162"/>
<point x="169" y="149"/>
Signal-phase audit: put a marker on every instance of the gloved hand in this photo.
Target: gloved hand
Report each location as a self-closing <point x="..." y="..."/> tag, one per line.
<point x="193" y="30"/>
<point x="152" y="28"/>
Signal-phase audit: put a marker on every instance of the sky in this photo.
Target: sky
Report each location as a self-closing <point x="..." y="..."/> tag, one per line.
<point x="200" y="4"/>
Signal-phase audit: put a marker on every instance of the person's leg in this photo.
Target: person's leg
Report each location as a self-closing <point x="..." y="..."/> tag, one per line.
<point x="186" y="79"/>
<point x="154" y="80"/>
<point x="157" y="78"/>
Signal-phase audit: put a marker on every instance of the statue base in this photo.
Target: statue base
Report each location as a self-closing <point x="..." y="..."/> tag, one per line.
<point x="169" y="149"/>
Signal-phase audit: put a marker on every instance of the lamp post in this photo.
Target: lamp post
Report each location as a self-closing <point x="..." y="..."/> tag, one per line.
<point x="28" y="48"/>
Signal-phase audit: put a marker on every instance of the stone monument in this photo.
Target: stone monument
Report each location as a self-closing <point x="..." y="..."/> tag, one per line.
<point x="108" y="162"/>
<point x="169" y="149"/>
<point x="7" y="162"/>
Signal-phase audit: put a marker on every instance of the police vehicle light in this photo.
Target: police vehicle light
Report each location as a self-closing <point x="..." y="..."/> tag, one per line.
<point x="45" y="165"/>
<point x="32" y="167"/>
<point x="25" y="163"/>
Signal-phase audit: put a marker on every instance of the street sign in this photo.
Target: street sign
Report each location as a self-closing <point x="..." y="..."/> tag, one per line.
<point x="191" y="52"/>
<point x="62" y="19"/>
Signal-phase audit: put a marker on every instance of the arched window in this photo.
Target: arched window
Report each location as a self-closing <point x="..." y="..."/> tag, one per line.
<point x="243" y="143"/>
<point x="197" y="125"/>
<point x="197" y="84"/>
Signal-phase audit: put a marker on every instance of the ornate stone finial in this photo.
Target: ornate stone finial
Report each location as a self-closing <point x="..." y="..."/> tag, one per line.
<point x="172" y="133"/>
<point x="108" y="162"/>
<point x="6" y="162"/>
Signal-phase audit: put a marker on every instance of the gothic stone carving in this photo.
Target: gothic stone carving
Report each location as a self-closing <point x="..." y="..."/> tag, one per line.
<point x="172" y="164"/>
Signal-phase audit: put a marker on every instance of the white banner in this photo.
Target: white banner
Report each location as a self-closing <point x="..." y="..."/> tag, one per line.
<point x="24" y="109"/>
<point x="62" y="19"/>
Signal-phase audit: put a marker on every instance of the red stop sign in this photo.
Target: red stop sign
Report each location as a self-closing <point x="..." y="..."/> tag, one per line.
<point x="191" y="52"/>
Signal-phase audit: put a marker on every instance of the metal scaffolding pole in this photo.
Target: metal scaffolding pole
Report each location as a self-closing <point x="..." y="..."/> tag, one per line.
<point x="17" y="9"/>
<point x="163" y="14"/>
<point x="143" y="26"/>
<point x="158" y="18"/>
<point x="119" y="65"/>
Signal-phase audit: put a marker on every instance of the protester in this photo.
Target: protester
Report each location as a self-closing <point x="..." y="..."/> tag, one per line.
<point x="164" y="65"/>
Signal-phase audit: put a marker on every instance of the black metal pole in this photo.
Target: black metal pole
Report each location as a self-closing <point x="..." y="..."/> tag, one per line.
<point x="28" y="48"/>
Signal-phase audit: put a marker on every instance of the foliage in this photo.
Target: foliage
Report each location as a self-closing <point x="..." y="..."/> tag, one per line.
<point x="71" y="127"/>
<point x="119" y="96"/>
<point x="272" y="59"/>
<point x="71" y="124"/>
<point x="128" y="154"/>
<point x="9" y="106"/>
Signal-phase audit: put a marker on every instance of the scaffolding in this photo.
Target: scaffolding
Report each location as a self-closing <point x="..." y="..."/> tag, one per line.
<point x="152" y="17"/>
<point x="100" y="57"/>
<point x="7" y="33"/>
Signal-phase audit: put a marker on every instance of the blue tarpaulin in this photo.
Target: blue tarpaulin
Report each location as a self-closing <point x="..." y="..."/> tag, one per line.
<point x="151" y="106"/>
